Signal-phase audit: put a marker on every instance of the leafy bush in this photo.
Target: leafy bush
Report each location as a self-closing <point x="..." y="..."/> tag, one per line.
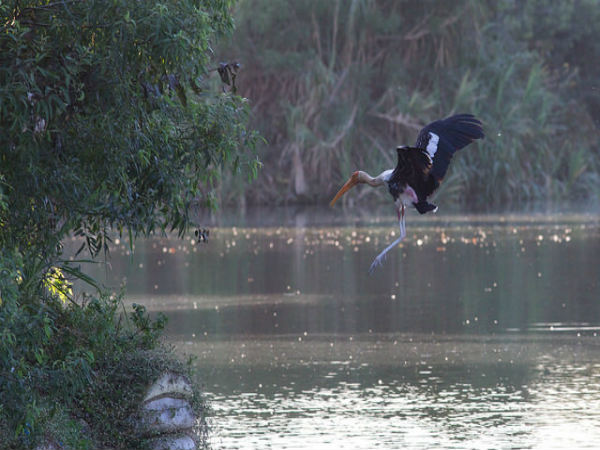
<point x="111" y="121"/>
<point x="72" y="373"/>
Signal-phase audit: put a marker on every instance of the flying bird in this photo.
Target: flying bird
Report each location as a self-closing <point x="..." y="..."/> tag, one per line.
<point x="420" y="169"/>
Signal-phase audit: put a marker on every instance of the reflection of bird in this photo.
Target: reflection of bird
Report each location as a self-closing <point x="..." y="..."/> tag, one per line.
<point x="202" y="235"/>
<point x="421" y="168"/>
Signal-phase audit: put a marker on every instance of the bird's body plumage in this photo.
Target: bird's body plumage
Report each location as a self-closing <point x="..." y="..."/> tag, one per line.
<point x="420" y="169"/>
<point x="423" y="166"/>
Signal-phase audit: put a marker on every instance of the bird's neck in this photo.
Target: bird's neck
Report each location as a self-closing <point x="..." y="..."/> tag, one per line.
<point x="364" y="177"/>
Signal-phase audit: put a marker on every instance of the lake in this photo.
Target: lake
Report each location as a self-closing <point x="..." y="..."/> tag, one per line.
<point x="480" y="331"/>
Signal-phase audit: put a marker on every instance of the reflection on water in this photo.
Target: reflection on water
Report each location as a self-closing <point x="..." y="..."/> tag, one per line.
<point x="479" y="332"/>
<point x="403" y="391"/>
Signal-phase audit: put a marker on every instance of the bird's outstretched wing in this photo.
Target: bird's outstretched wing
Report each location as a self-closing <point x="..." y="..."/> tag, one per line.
<point x="443" y="137"/>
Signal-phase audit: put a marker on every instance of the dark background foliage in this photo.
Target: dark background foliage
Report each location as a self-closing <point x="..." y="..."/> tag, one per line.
<point x="336" y="86"/>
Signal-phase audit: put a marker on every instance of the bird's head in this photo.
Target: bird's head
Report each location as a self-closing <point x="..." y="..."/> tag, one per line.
<point x="355" y="179"/>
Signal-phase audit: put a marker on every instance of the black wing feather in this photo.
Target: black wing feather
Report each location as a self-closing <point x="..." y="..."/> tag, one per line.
<point x="412" y="168"/>
<point x="454" y="133"/>
<point x="413" y="163"/>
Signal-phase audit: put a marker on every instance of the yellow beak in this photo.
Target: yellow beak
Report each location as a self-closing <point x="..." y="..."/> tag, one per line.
<point x="353" y="181"/>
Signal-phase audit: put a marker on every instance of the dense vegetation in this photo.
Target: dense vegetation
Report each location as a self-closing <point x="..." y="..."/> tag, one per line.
<point x="113" y="119"/>
<point x="336" y="85"/>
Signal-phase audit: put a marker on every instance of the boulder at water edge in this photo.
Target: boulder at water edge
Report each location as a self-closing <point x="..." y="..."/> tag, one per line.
<point x="166" y="418"/>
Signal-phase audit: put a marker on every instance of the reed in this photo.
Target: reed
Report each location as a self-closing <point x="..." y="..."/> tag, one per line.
<point x="335" y="86"/>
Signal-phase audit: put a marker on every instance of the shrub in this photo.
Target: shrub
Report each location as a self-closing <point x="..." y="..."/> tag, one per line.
<point x="76" y="373"/>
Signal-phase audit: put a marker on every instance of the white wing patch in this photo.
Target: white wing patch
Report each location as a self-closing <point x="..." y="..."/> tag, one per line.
<point x="432" y="145"/>
<point x="386" y="175"/>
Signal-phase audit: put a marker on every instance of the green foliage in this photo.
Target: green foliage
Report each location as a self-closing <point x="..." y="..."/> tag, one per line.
<point x="57" y="284"/>
<point x="336" y="86"/>
<point x="566" y="36"/>
<point x="75" y="373"/>
<point x="110" y="120"/>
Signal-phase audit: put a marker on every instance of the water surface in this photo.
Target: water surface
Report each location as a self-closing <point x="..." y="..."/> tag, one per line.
<point x="479" y="332"/>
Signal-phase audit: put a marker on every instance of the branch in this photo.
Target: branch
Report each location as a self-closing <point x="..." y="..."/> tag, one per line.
<point x="399" y="119"/>
<point x="418" y="31"/>
<point x="344" y="131"/>
<point x="378" y="146"/>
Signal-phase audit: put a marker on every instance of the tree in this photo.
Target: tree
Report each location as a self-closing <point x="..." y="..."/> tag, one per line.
<point x="112" y="119"/>
<point x="109" y="119"/>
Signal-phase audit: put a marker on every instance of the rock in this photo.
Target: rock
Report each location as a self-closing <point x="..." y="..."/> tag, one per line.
<point x="173" y="442"/>
<point x="166" y="415"/>
<point x="171" y="384"/>
<point x="166" y="409"/>
<point x="163" y="403"/>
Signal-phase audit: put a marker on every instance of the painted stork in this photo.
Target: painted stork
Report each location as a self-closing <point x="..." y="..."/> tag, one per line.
<point x="420" y="169"/>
